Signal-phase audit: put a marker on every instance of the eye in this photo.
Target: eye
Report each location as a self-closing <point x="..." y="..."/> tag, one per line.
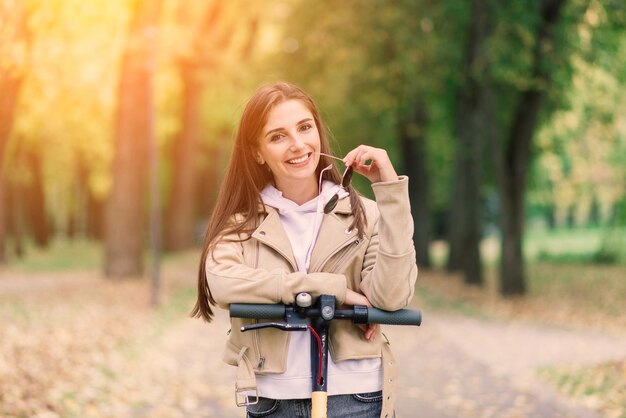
<point x="305" y="127"/>
<point x="277" y="137"/>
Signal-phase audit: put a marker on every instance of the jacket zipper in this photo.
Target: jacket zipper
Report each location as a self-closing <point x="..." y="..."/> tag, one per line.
<point x="320" y="265"/>
<point x="354" y="244"/>
<point x="348" y="252"/>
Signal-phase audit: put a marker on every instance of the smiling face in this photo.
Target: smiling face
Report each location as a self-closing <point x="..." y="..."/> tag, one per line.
<point x="290" y="145"/>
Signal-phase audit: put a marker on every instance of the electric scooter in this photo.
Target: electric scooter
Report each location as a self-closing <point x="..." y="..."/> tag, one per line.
<point x="315" y="317"/>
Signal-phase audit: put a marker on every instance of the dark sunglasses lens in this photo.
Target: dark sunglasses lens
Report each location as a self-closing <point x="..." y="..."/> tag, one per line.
<point x="331" y="203"/>
<point x="347" y="177"/>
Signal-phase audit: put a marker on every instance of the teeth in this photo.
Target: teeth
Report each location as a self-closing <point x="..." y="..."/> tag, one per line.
<point x="298" y="160"/>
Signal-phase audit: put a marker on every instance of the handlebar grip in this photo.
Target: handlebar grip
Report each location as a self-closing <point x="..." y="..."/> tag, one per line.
<point x="401" y="317"/>
<point x="257" y="310"/>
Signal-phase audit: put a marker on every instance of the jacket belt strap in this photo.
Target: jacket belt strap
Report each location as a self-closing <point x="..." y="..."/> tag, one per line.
<point x="246" y="381"/>
<point x="390" y="374"/>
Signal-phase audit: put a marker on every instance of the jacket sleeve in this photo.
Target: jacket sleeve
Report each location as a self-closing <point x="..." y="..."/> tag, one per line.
<point x="232" y="281"/>
<point x="389" y="267"/>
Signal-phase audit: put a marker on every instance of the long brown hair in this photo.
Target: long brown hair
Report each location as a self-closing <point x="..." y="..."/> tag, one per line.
<point x="240" y="192"/>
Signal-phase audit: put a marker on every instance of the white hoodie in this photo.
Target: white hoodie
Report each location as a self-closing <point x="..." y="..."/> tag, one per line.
<point x="302" y="224"/>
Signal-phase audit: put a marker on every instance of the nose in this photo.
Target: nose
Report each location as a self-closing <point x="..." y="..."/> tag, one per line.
<point x="296" y="142"/>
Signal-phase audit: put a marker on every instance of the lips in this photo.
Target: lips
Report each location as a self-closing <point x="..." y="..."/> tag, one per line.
<point x="299" y="160"/>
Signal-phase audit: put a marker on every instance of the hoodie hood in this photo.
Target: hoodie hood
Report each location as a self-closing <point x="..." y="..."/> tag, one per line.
<point x="302" y="223"/>
<point x="273" y="197"/>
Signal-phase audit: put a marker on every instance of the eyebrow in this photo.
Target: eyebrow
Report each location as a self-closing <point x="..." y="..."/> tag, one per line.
<point x="271" y="131"/>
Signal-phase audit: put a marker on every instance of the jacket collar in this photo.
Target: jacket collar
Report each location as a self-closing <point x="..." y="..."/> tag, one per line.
<point x="333" y="235"/>
<point x="343" y="207"/>
<point x="271" y="233"/>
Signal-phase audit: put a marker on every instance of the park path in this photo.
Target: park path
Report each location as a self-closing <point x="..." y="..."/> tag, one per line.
<point x="451" y="367"/>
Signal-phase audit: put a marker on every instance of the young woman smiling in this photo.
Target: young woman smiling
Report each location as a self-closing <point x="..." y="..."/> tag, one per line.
<point x="286" y="221"/>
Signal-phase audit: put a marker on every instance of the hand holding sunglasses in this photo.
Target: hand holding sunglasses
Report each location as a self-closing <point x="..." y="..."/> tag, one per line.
<point x="379" y="167"/>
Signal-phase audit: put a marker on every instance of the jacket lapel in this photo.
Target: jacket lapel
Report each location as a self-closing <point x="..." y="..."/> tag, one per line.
<point x="333" y="235"/>
<point x="272" y="234"/>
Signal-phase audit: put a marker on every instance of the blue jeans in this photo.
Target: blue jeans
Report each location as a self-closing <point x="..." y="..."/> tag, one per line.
<point x="361" y="405"/>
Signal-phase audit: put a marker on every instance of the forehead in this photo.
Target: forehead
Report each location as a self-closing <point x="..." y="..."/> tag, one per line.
<point x="287" y="113"/>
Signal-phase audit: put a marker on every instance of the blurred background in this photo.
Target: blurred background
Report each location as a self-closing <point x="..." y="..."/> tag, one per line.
<point x="117" y="119"/>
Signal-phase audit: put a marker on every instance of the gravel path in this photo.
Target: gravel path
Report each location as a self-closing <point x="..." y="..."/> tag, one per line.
<point x="453" y="367"/>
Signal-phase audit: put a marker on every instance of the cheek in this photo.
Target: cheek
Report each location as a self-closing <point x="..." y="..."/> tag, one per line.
<point x="271" y="155"/>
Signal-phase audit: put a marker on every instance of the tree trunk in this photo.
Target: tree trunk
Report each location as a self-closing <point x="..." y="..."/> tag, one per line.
<point x="15" y="220"/>
<point x="3" y="219"/>
<point x="180" y="213"/>
<point x="125" y="211"/>
<point x="14" y="31"/>
<point x="413" y="145"/>
<point x="513" y="159"/>
<point x="95" y="217"/>
<point x="209" y="172"/>
<point x="37" y="202"/>
<point x="473" y="117"/>
<point x="212" y="38"/>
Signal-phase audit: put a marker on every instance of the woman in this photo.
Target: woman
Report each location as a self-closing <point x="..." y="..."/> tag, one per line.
<point x="283" y="224"/>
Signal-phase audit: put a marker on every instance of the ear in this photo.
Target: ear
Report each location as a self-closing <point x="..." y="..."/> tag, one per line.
<point x="259" y="158"/>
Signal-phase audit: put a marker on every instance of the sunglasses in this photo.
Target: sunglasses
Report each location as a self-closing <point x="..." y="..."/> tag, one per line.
<point x="345" y="183"/>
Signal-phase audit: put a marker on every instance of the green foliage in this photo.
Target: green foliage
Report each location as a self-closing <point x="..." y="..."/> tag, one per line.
<point x="367" y="64"/>
<point x="61" y="255"/>
<point x="601" y="386"/>
<point x="613" y="247"/>
<point x="590" y="245"/>
<point x="581" y="147"/>
<point x="386" y="57"/>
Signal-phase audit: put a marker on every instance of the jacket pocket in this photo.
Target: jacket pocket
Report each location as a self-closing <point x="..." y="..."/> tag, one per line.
<point x="344" y="255"/>
<point x="369" y="397"/>
<point x="238" y="339"/>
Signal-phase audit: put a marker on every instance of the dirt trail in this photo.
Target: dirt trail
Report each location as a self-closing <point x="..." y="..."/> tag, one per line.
<point x="451" y="367"/>
<point x="463" y="367"/>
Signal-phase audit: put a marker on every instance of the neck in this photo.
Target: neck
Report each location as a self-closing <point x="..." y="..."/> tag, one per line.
<point x="299" y="192"/>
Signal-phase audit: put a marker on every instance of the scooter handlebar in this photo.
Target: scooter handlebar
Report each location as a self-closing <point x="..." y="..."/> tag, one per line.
<point x="257" y="310"/>
<point x="374" y="315"/>
<point x="401" y="317"/>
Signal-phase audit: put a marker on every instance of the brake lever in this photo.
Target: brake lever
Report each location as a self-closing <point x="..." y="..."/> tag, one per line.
<point x="280" y="325"/>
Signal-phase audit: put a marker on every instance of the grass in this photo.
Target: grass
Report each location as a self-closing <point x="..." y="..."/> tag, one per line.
<point x="79" y="254"/>
<point x="575" y="245"/>
<point x="60" y="255"/>
<point x="601" y="387"/>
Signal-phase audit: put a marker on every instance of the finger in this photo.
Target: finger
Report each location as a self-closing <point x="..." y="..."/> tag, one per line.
<point x="377" y="156"/>
<point x="350" y="156"/>
<point x="363" y="156"/>
<point x="371" y="331"/>
<point x="354" y="156"/>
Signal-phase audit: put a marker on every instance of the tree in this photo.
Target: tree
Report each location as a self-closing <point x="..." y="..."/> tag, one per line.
<point x="474" y="115"/>
<point x="209" y="41"/>
<point x="513" y="152"/>
<point x="412" y="138"/>
<point x="36" y="200"/>
<point x="125" y="211"/>
<point x="14" y="41"/>
<point x="384" y="84"/>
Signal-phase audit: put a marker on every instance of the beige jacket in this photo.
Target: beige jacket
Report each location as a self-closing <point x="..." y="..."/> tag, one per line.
<point x="263" y="270"/>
